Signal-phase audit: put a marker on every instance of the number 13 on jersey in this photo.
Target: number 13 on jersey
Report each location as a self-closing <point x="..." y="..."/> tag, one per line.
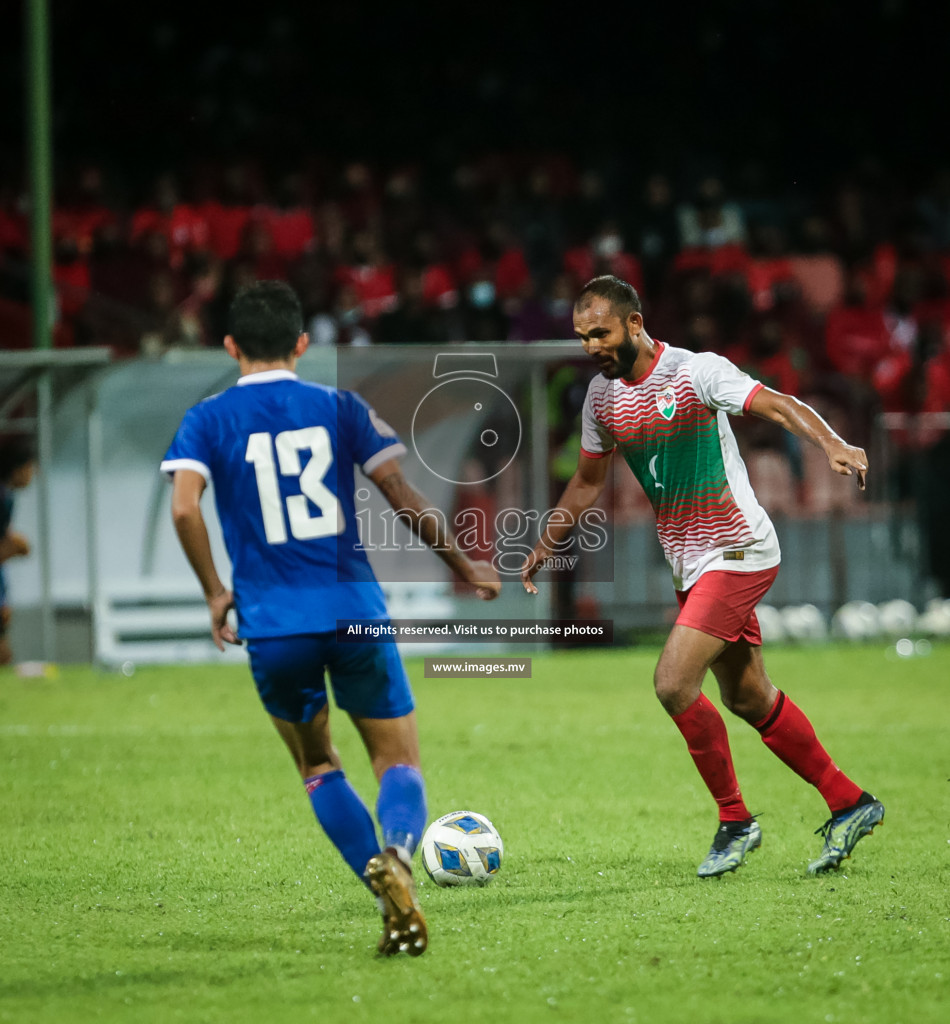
<point x="289" y="444"/>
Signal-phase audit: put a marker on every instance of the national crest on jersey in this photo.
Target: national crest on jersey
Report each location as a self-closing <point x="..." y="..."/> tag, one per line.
<point x="671" y="428"/>
<point x="666" y="402"/>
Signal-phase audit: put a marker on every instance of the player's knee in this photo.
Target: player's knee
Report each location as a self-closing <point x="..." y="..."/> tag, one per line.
<point x="668" y="688"/>
<point x="676" y="686"/>
<point x="736" y="703"/>
<point x="749" y="703"/>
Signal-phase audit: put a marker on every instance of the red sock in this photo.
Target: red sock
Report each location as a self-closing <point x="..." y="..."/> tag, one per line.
<point x="789" y="735"/>
<point x="705" y="734"/>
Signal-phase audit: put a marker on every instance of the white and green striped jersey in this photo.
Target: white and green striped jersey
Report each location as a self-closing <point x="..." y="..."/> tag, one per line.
<point x="672" y="427"/>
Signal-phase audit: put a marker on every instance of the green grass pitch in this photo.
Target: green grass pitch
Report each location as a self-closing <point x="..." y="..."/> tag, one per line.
<point x="161" y="864"/>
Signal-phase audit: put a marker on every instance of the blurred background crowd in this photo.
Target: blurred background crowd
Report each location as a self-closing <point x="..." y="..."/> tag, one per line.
<point x="773" y="195"/>
<point x="842" y="294"/>
<point x="851" y="283"/>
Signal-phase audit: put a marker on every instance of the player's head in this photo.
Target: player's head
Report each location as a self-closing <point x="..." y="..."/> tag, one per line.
<point x="622" y="296"/>
<point x="17" y="461"/>
<point x="608" y="318"/>
<point x="266" y="320"/>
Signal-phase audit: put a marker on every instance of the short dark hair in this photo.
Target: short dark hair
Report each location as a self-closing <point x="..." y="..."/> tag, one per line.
<point x="16" y="450"/>
<point x="265" y="320"/>
<point x="622" y="297"/>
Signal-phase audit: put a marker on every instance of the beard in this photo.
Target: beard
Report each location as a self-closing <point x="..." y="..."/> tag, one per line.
<point x="621" y="363"/>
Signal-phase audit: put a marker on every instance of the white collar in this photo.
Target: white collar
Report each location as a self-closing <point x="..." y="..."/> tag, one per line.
<point x="266" y="376"/>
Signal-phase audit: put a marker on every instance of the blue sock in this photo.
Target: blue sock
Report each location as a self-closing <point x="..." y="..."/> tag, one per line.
<point x="401" y="807"/>
<point x="344" y="817"/>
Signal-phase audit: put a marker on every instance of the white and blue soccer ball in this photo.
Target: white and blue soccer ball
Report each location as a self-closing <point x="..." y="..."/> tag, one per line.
<point x="462" y="848"/>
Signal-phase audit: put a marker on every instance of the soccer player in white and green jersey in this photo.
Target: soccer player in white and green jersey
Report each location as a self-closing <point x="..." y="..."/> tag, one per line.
<point x="666" y="410"/>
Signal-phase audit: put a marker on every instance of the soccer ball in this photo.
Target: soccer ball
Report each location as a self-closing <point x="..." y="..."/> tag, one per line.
<point x="898" y="617"/>
<point x="462" y="848"/>
<point x="856" y="620"/>
<point x="936" y="618"/>
<point x="804" y="622"/>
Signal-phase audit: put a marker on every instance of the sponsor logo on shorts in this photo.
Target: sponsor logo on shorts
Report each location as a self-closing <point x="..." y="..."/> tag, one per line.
<point x="734" y="556"/>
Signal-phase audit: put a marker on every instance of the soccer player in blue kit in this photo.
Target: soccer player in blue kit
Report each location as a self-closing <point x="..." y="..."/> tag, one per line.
<point x="281" y="454"/>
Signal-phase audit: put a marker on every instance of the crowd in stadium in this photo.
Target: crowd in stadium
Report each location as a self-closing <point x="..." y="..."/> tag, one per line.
<point x="846" y="293"/>
<point x="841" y="297"/>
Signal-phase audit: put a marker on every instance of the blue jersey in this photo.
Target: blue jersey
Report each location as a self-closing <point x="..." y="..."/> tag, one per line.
<point x="281" y="454"/>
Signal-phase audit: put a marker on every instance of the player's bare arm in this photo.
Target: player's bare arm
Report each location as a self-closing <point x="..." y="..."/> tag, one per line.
<point x="801" y="420"/>
<point x="193" y="534"/>
<point x="582" y="491"/>
<point x="410" y="505"/>
<point x="13" y="545"/>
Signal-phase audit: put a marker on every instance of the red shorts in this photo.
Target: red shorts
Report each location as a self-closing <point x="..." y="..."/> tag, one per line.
<point x="723" y="604"/>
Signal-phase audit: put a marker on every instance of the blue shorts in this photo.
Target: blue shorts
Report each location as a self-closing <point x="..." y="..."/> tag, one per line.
<point x="368" y="679"/>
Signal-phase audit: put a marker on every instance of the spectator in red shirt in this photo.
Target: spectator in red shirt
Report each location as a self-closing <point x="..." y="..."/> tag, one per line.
<point x="916" y="382"/>
<point x="605" y="253"/>
<point x="511" y="267"/>
<point x="72" y="278"/>
<point x="370" y="274"/>
<point x="856" y="336"/>
<point x="768" y="354"/>
<point x="439" y="284"/>
<point x="916" y="379"/>
<point x="258" y="250"/>
<point x="186" y="228"/>
<point x="291" y="222"/>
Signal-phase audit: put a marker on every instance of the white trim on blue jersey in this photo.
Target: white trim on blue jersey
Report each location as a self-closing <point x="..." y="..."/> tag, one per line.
<point x="266" y="376"/>
<point x="171" y="466"/>
<point x="394" y="451"/>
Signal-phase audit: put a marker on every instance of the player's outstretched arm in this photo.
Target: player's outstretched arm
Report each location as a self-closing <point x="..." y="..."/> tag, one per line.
<point x="193" y="535"/>
<point x="583" y="489"/>
<point x="799" y="418"/>
<point x="429" y="525"/>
